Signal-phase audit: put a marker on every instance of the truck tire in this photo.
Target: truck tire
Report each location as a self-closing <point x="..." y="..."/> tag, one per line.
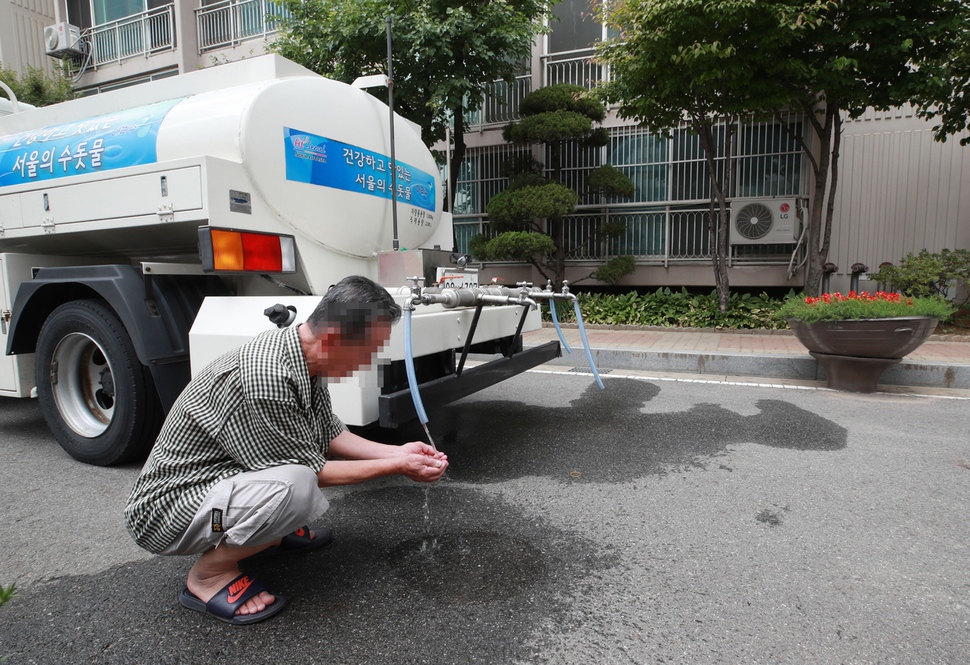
<point x="97" y="398"/>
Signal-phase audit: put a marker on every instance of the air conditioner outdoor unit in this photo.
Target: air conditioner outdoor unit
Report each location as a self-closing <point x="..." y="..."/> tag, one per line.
<point x="62" y="40"/>
<point x="764" y="221"/>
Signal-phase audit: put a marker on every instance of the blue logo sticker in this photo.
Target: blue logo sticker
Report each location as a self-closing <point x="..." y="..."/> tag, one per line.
<point x="101" y="143"/>
<point x="317" y="160"/>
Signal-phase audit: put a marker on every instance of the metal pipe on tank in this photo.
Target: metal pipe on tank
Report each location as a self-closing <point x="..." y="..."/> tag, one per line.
<point x="390" y="111"/>
<point x="14" y="106"/>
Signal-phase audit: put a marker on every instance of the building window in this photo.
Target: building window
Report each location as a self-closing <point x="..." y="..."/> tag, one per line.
<point x="570" y="45"/>
<point x="106" y="11"/>
<point x="577" y="28"/>
<point x="79" y="13"/>
<point x="771" y="160"/>
<point x="644" y="158"/>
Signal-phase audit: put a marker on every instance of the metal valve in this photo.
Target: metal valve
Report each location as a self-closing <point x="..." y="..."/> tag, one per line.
<point x="281" y="315"/>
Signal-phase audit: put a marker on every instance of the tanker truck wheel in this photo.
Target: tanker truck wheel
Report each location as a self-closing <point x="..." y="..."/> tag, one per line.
<point x="97" y="398"/>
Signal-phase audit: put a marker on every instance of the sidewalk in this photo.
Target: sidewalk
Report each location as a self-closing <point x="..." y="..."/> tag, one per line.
<point x="942" y="362"/>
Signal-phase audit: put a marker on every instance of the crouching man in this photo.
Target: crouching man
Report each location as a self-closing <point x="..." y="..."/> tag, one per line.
<point x="237" y="468"/>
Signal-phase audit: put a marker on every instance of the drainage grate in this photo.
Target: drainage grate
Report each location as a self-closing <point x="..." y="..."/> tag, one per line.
<point x="587" y="370"/>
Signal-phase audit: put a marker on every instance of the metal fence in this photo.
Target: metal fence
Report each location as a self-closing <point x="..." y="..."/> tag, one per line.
<point x="653" y="236"/>
<point x="668" y="218"/>
<point x="140" y="34"/>
<point x="228" y="23"/>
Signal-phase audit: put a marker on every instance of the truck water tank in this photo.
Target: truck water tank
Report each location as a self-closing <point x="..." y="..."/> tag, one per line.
<point x="318" y="153"/>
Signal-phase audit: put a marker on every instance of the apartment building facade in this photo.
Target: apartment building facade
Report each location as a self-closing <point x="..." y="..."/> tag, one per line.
<point x="115" y="43"/>
<point x="900" y="191"/>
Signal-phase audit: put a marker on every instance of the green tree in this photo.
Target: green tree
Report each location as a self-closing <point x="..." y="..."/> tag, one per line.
<point x="944" y="89"/>
<point x="703" y="61"/>
<point x="827" y="58"/>
<point x="529" y="214"/>
<point x="36" y="87"/>
<point x="445" y="52"/>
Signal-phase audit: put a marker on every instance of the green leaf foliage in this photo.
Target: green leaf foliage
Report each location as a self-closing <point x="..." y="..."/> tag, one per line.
<point x="549" y="127"/>
<point x="563" y="97"/>
<point x="445" y="51"/>
<point x="521" y="164"/>
<point x="555" y="116"/>
<point x="706" y="57"/>
<point x="7" y="593"/>
<point x="667" y="308"/>
<point x="710" y="59"/>
<point x="524" y="180"/>
<point x="37" y="88"/>
<point x="610" y="181"/>
<point x="807" y="310"/>
<point x="927" y="273"/>
<point x="516" y="208"/>
<point x="523" y="246"/>
<point x="616" y="269"/>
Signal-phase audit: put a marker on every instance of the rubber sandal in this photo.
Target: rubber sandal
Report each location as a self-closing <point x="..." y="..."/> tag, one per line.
<point x="298" y="541"/>
<point x="230" y="598"/>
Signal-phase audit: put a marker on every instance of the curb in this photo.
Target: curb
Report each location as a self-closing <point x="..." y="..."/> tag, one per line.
<point x="936" y="337"/>
<point x="905" y="373"/>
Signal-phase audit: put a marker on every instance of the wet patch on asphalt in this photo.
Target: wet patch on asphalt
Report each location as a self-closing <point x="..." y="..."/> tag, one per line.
<point x="469" y="583"/>
<point x="772" y="517"/>
<point x="494" y="440"/>
<point x="467" y="568"/>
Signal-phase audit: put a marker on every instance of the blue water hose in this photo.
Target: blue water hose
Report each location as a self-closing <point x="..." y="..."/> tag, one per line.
<point x="409" y="366"/>
<point x="555" y="322"/>
<point x="589" y="354"/>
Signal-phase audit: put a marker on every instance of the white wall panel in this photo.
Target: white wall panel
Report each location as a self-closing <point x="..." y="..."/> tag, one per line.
<point x="22" y="34"/>
<point x="899" y="191"/>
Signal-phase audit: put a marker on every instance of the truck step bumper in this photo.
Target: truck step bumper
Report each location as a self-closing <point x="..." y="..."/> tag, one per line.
<point x="398" y="407"/>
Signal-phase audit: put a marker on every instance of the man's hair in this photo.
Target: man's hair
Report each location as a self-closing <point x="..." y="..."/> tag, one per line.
<point x="353" y="305"/>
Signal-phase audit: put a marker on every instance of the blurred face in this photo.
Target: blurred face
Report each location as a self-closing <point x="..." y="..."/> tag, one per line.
<point x="345" y="356"/>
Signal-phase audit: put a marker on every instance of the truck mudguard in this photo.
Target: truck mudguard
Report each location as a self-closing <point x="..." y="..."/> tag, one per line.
<point x="156" y="310"/>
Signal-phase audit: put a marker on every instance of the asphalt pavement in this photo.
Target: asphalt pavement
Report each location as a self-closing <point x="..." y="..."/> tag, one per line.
<point x="671" y="518"/>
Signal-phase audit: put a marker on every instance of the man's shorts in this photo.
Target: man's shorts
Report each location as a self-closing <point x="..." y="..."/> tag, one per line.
<point x="253" y="508"/>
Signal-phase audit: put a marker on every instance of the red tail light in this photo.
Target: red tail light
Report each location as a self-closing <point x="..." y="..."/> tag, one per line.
<point x="227" y="250"/>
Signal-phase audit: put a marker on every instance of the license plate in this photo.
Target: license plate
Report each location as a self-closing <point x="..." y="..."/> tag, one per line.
<point x="456" y="278"/>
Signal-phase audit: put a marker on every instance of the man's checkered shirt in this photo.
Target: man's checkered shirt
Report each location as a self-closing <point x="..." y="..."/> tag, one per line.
<point x="252" y="409"/>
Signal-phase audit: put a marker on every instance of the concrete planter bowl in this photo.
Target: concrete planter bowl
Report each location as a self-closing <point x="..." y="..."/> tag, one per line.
<point x="855" y="353"/>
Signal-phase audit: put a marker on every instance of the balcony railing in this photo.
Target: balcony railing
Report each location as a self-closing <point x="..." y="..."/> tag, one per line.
<point x="229" y="23"/>
<point x="141" y="34"/>
<point x="576" y="67"/>
<point x="501" y="102"/>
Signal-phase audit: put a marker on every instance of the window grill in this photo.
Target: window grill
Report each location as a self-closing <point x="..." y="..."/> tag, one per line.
<point x="668" y="218"/>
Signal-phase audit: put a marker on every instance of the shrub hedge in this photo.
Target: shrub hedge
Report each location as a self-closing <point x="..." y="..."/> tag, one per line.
<point x="677" y="309"/>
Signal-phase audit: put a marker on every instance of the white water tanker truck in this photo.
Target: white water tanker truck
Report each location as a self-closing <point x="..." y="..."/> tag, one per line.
<point x="145" y="231"/>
